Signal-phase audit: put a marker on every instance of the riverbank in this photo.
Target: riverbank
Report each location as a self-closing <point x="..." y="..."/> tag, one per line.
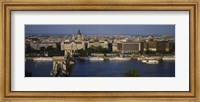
<point x="39" y="58"/>
<point x="106" y="58"/>
<point x="164" y="58"/>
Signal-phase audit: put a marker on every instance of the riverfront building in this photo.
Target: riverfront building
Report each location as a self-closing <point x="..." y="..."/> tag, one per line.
<point x="114" y="47"/>
<point x="153" y="46"/>
<point x="76" y="43"/>
<point x="38" y="45"/>
<point x="129" y="47"/>
<point x="159" y="46"/>
<point x="71" y="46"/>
<point x="170" y="47"/>
<point x="97" y="43"/>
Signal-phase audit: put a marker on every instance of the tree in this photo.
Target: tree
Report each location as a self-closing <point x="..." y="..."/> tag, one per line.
<point x="42" y="49"/>
<point x="81" y="52"/>
<point x="49" y="48"/>
<point x="132" y="73"/>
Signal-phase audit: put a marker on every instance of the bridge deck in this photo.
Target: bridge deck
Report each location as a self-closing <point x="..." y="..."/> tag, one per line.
<point x="59" y="58"/>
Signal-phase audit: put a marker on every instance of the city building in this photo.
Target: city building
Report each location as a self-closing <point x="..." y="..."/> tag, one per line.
<point x="129" y="47"/>
<point x="97" y="43"/>
<point x="38" y="45"/>
<point x="170" y="47"/>
<point x="78" y="37"/>
<point x="77" y="42"/>
<point x="114" y="47"/>
<point x="159" y="46"/>
<point x="114" y="44"/>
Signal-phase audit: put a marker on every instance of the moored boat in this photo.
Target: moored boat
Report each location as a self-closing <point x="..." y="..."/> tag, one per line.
<point x="94" y="58"/>
<point x="144" y="61"/>
<point x="120" y="58"/>
<point x="149" y="58"/>
<point x="140" y="58"/>
<point x="168" y="58"/>
<point x="150" y="61"/>
<point x="42" y="59"/>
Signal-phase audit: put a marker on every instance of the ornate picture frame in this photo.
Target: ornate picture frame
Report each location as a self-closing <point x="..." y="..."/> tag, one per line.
<point x="119" y="5"/>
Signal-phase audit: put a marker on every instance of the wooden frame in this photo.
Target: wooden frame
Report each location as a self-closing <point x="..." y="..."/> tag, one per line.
<point x="120" y="5"/>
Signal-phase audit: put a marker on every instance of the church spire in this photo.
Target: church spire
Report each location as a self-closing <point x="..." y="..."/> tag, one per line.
<point x="79" y="32"/>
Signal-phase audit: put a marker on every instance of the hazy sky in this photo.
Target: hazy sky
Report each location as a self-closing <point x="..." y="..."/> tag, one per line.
<point x="101" y="29"/>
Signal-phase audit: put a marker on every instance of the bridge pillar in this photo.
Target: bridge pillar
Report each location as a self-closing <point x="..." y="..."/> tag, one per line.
<point x="59" y="66"/>
<point x="55" y="68"/>
<point x="62" y="66"/>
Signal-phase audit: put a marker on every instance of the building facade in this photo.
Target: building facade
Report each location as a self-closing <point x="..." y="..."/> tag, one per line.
<point x="129" y="47"/>
<point x="76" y="43"/>
<point x="114" y="47"/>
<point x="97" y="43"/>
<point x="159" y="46"/>
<point x="38" y="45"/>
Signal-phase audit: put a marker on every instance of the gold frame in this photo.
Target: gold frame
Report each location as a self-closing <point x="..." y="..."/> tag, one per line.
<point x="7" y="7"/>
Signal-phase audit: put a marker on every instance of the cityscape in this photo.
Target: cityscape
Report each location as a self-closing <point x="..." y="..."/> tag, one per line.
<point x="117" y="51"/>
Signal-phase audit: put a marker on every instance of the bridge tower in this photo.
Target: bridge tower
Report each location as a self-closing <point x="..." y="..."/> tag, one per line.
<point x="61" y="66"/>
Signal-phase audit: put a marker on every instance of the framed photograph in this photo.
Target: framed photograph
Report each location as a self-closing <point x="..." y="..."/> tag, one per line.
<point x="100" y="50"/>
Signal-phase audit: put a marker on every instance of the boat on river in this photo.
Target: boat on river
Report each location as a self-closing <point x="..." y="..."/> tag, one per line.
<point x="168" y="58"/>
<point x="43" y="59"/>
<point x="140" y="58"/>
<point x="120" y="58"/>
<point x="94" y="59"/>
<point x="150" y="61"/>
<point x="149" y="58"/>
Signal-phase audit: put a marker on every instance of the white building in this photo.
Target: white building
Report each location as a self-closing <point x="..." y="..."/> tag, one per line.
<point x="75" y="44"/>
<point x="97" y="43"/>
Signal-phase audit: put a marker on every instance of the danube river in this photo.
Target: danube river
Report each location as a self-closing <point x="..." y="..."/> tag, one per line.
<point x="105" y="68"/>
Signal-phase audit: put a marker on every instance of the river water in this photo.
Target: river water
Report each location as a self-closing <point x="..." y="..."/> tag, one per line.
<point x="105" y="68"/>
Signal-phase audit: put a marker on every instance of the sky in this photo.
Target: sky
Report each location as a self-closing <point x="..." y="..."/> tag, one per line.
<point x="101" y="29"/>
